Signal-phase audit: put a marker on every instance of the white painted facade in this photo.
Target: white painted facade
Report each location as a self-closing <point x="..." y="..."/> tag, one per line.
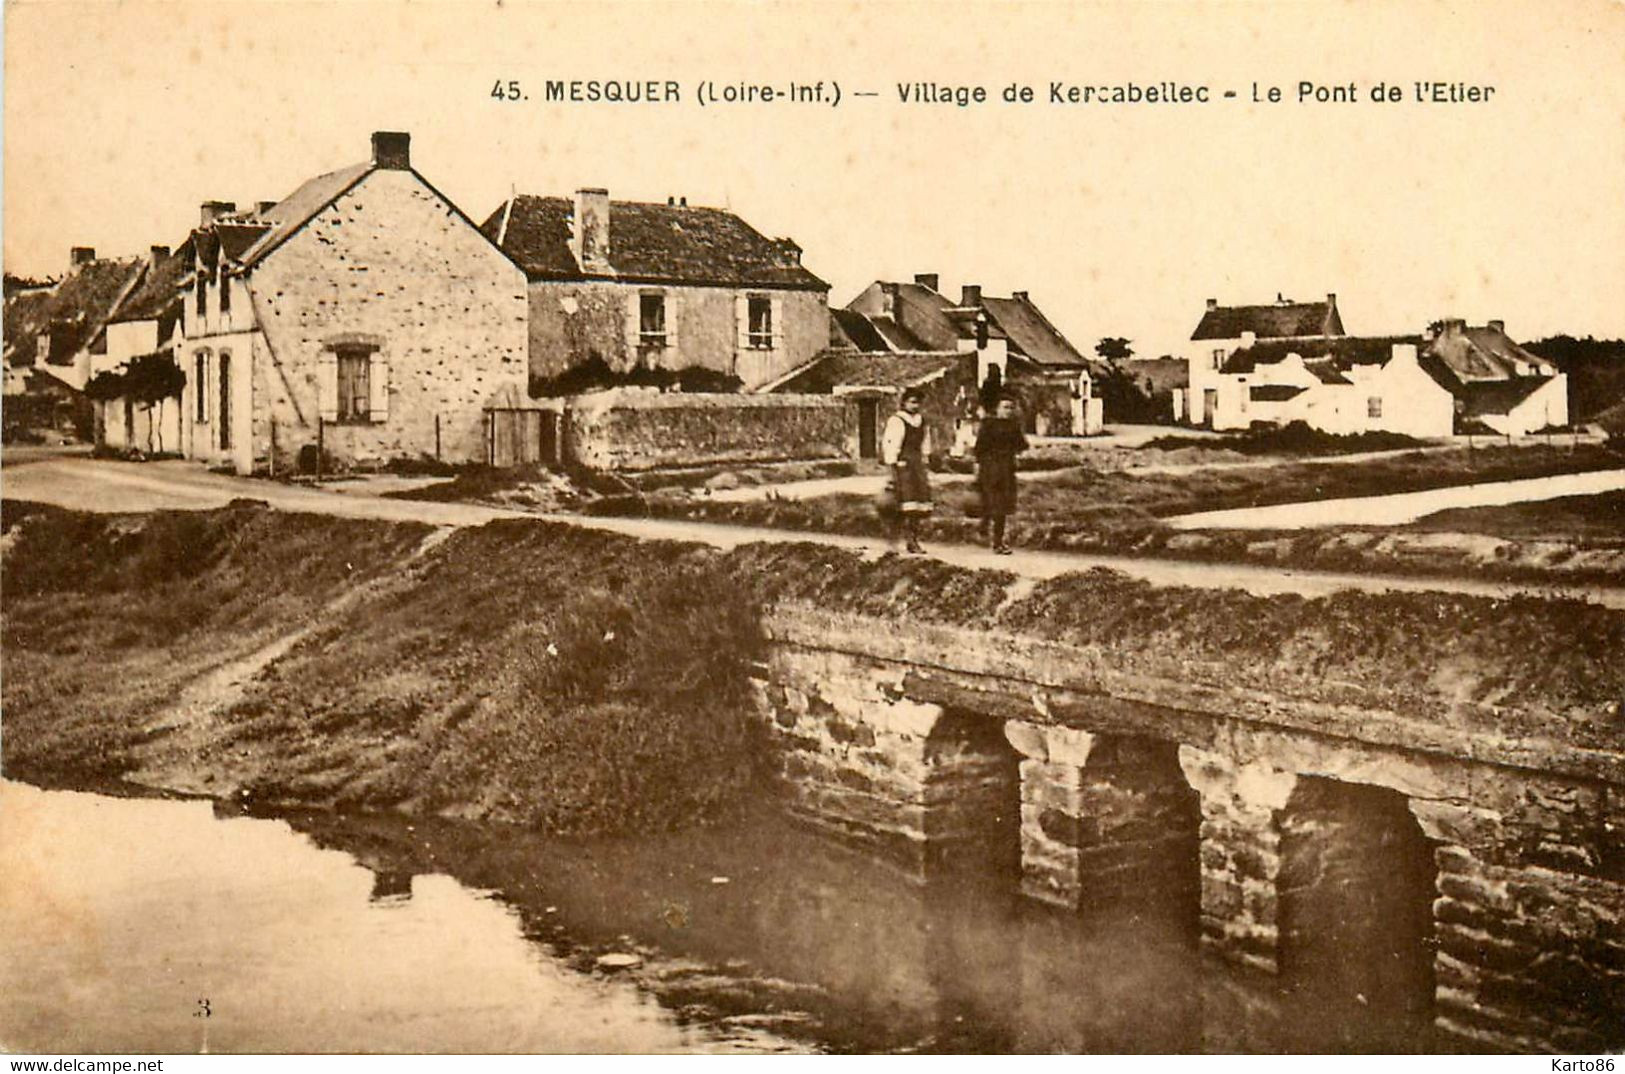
<point x="1396" y="396"/>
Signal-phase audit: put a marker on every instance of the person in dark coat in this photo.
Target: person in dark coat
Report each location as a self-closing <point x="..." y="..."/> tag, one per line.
<point x="904" y="446"/>
<point x="998" y="443"/>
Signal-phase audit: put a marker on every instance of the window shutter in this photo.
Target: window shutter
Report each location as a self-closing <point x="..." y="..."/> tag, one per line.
<point x="634" y="321"/>
<point x="671" y="320"/>
<point x="777" y="313"/>
<point x="377" y="388"/>
<point x="327" y="386"/>
<point x="742" y="318"/>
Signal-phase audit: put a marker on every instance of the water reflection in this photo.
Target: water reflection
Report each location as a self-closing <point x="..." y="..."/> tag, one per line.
<point x="314" y="932"/>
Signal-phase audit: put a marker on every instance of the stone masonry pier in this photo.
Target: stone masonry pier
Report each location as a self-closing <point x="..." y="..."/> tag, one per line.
<point x="1391" y="870"/>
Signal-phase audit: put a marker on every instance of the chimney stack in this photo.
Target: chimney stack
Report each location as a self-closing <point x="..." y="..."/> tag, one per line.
<point x="970" y="295"/>
<point x="80" y="255"/>
<point x="928" y="280"/>
<point x="888" y="299"/>
<point x="392" y="149"/>
<point x="682" y="202"/>
<point x="1020" y="296"/>
<point x="1331" y="299"/>
<point x="1498" y="325"/>
<point x="589" y="231"/>
<point x="264" y="208"/>
<point x="210" y="211"/>
<point x="1212" y="303"/>
<point x="159" y="255"/>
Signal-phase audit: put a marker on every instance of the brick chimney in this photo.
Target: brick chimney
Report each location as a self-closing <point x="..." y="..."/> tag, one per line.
<point x="392" y="149"/>
<point x="1498" y="325"/>
<point x="589" y="230"/>
<point x="1020" y="296"/>
<point x="1331" y="299"/>
<point x="210" y="211"/>
<point x="970" y="295"/>
<point x="80" y="255"/>
<point x="1212" y="303"/>
<point x="158" y="256"/>
<point x="927" y="280"/>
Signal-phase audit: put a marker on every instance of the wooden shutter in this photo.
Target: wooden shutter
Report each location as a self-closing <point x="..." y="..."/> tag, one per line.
<point x="742" y="316"/>
<point x="377" y="387"/>
<point x="634" y="321"/>
<point x="327" y="386"/>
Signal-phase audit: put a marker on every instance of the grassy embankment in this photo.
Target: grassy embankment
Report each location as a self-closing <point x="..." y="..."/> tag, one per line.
<point x="1121" y="510"/>
<point x="578" y="681"/>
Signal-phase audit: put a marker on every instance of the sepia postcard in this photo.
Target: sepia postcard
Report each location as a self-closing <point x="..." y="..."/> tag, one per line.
<point x="812" y="528"/>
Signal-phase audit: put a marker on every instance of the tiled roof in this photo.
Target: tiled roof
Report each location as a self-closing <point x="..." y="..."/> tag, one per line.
<point x="1282" y="320"/>
<point x="295" y="211"/>
<point x="926" y="320"/>
<point x="74" y="311"/>
<point x="857" y="330"/>
<point x="1498" y="396"/>
<point x="857" y="368"/>
<point x="647" y="243"/>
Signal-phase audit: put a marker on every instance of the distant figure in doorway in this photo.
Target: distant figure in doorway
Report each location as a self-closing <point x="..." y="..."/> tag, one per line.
<point x="904" y="447"/>
<point x="997" y="445"/>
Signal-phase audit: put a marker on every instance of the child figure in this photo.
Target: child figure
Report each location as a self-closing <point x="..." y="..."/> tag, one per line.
<point x="997" y="445"/>
<point x="904" y="447"/>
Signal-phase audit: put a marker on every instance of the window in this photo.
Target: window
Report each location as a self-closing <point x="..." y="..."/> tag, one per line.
<point x="1218" y="357"/>
<point x="225" y="293"/>
<point x="355" y="387"/>
<point x="202" y="294"/>
<point x="761" y="323"/>
<point x="651" y="320"/>
<point x="200" y="386"/>
<point x="1373" y="407"/>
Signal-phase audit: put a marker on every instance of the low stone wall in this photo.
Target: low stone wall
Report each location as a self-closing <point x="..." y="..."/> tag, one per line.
<point x="631" y="429"/>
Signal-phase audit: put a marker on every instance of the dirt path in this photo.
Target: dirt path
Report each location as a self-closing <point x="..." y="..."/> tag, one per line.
<point x="1400" y="508"/>
<point x="191" y="726"/>
<point x="91" y="485"/>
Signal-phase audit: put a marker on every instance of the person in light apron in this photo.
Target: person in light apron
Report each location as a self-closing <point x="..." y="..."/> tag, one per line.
<point x="904" y="447"/>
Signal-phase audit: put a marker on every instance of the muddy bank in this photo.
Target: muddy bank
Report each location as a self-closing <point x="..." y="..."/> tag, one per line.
<point x="579" y="681"/>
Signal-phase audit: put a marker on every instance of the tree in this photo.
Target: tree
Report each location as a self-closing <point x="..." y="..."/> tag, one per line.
<point x="149" y="380"/>
<point x="1114" y="349"/>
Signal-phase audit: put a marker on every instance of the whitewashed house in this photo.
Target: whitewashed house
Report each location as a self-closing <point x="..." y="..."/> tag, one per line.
<point x="1224" y="330"/>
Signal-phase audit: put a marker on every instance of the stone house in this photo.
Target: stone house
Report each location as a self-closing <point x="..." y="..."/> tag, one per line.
<point x="1055" y="380"/>
<point x="147" y="321"/>
<point x="627" y="286"/>
<point x="1223" y="330"/>
<point x="55" y="333"/>
<point x="365" y="314"/>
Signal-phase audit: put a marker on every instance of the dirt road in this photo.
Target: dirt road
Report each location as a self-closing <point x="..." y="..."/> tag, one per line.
<point x="96" y="485"/>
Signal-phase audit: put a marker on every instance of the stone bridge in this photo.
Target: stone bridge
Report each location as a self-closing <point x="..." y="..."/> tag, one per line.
<point x="1419" y="874"/>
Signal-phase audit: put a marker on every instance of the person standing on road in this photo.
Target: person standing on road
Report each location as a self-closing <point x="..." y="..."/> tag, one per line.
<point x="904" y="447"/>
<point x="998" y="443"/>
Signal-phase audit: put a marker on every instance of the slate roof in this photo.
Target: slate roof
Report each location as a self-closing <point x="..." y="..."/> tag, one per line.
<point x="1498" y="396"/>
<point x="295" y="211"/>
<point x="159" y="294"/>
<point x="1343" y="351"/>
<point x="74" y="311"/>
<point x="1282" y="320"/>
<point x="648" y="242"/>
<point x="1274" y="393"/>
<point x="1031" y="333"/>
<point x="858" y="368"/>
<point x="1486" y="353"/>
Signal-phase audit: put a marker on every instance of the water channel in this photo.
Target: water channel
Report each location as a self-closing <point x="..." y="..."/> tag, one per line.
<point x="121" y="916"/>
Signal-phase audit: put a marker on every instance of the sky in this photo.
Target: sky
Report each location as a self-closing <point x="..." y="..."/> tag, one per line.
<point x="1119" y="220"/>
